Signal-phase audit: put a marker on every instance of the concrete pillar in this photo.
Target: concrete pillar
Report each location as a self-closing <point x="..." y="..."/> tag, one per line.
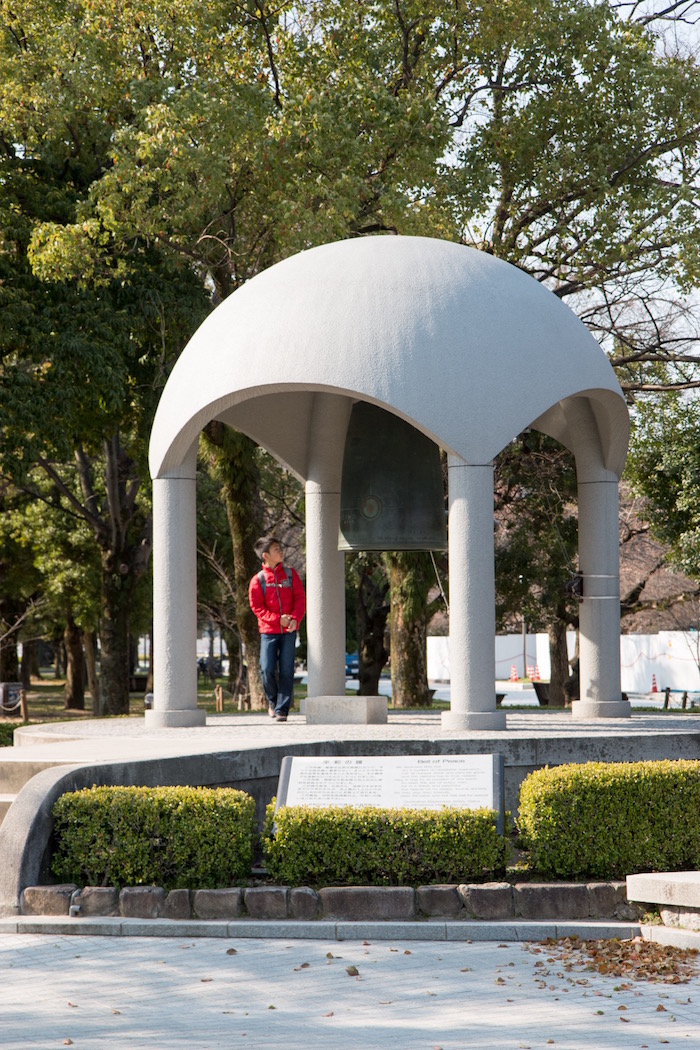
<point x="325" y="564"/>
<point x="175" y="600"/>
<point x="472" y="599"/>
<point x="599" y="613"/>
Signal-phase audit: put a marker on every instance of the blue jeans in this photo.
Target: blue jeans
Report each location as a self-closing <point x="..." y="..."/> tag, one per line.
<point x="277" y="666"/>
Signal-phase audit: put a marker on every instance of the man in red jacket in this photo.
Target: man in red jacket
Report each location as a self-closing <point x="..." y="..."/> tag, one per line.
<point x="276" y="596"/>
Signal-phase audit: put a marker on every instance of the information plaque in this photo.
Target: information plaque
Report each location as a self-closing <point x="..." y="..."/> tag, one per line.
<point x="394" y="782"/>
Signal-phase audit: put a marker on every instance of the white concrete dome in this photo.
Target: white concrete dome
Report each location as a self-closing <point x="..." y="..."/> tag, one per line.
<point x="468" y="348"/>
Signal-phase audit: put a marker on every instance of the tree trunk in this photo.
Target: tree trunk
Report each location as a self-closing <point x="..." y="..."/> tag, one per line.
<point x="115" y="656"/>
<point x="26" y="665"/>
<point x="572" y="689"/>
<point x="9" y="663"/>
<point x="133" y="654"/>
<point x="10" y="613"/>
<point x="74" y="689"/>
<point x="91" y="669"/>
<point x="59" y="653"/>
<point x="124" y="536"/>
<point x="149" y="680"/>
<point x="410" y="582"/>
<point x="559" y="659"/>
<point x="372" y="614"/>
<point x="30" y="663"/>
<point x="234" y="456"/>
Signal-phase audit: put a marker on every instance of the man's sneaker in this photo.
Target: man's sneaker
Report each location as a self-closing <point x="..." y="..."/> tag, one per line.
<point x="281" y="718"/>
<point x="271" y="711"/>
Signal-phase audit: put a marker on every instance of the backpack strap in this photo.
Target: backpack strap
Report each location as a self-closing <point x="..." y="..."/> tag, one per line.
<point x="261" y="578"/>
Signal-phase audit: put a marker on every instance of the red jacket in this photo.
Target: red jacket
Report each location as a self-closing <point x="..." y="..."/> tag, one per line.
<point x="280" y="598"/>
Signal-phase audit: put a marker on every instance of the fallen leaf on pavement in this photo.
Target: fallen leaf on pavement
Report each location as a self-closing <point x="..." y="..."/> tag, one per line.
<point x="352" y="971"/>
<point x="231" y="951"/>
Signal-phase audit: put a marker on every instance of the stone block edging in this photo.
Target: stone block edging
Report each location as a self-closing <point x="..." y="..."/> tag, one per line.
<point x="488" y="902"/>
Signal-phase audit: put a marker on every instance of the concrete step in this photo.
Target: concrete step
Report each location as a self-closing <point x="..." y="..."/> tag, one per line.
<point x="5" y="803"/>
<point x="16" y="770"/>
<point x="674" y="888"/>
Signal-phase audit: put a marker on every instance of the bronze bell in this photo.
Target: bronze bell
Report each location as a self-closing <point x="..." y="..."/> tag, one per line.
<point x="391" y="494"/>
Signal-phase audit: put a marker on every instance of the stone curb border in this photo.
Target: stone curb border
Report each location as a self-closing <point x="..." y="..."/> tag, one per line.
<point x="489" y="902"/>
<point x="460" y="932"/>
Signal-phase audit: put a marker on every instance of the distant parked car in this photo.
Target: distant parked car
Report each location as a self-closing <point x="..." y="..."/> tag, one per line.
<point x="352" y="665"/>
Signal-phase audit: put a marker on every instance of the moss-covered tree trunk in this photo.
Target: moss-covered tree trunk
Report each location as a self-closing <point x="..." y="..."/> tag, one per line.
<point x="410" y="580"/>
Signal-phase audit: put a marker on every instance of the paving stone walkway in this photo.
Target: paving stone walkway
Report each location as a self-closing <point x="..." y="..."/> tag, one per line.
<point x="198" y="994"/>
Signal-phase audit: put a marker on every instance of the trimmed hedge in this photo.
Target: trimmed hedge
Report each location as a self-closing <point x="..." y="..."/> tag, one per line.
<point x="608" y="820"/>
<point x="368" y="846"/>
<point x="173" y="837"/>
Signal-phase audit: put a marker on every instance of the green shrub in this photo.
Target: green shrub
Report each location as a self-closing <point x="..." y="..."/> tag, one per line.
<point x="167" y="836"/>
<point x="608" y="820"/>
<point x="371" y="846"/>
<point x="7" y="733"/>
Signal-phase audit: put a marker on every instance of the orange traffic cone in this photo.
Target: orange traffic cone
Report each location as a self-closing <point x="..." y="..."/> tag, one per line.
<point x="654" y="686"/>
<point x="536" y="676"/>
<point x="513" y="673"/>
